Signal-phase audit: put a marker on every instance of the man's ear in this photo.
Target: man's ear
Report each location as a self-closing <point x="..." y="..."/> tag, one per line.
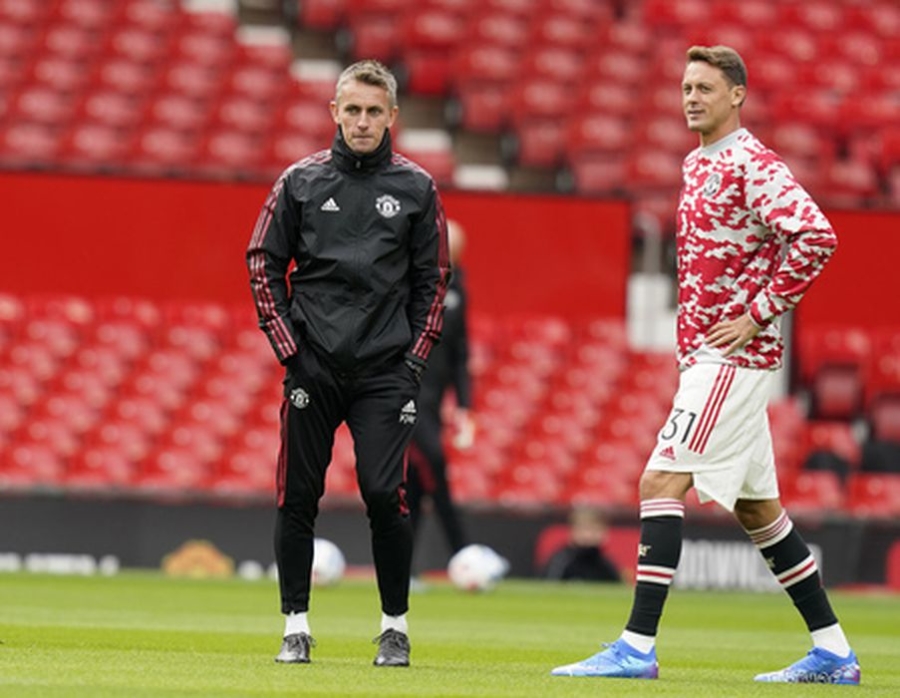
<point x="334" y="111"/>
<point x="393" y="117"/>
<point x="738" y="95"/>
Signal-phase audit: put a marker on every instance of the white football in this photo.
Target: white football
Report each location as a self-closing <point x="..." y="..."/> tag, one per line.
<point x="477" y="568"/>
<point x="328" y="563"/>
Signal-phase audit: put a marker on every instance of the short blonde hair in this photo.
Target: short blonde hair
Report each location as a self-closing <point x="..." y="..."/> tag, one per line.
<point x="370" y="72"/>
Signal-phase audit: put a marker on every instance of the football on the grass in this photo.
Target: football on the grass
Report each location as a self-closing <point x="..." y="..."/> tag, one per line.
<point x="477" y="568"/>
<point x="328" y="563"/>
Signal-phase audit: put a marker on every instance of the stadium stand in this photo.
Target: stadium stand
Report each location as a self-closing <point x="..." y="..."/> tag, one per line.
<point x="104" y="395"/>
<point x="177" y="399"/>
<point x="130" y="86"/>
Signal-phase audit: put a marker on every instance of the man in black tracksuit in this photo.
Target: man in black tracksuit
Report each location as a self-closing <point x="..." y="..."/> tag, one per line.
<point x="353" y="322"/>
<point x="448" y="368"/>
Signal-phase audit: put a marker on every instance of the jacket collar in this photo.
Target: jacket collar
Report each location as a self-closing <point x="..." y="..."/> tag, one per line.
<point x="350" y="161"/>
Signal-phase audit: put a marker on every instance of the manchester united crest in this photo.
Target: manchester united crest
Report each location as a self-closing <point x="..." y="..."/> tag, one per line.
<point x="387" y="206"/>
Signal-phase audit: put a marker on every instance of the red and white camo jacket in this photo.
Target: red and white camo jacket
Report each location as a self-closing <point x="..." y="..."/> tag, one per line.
<point x="749" y="238"/>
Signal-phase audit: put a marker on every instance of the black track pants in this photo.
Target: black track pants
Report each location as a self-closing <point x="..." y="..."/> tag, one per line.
<point x="380" y="410"/>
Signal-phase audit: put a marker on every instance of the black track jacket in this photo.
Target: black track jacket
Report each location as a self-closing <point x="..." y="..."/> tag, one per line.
<point x="368" y="237"/>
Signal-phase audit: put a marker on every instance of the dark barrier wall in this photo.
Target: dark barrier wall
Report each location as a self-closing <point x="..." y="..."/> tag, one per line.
<point x="37" y="531"/>
<point x="166" y="239"/>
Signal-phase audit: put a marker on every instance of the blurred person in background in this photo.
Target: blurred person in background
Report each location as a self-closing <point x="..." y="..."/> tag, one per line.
<point x="448" y="369"/>
<point x="750" y="242"/>
<point x="582" y="557"/>
<point x="349" y="266"/>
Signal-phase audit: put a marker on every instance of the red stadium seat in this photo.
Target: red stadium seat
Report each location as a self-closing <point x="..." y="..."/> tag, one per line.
<point x="26" y="13"/>
<point x="837" y="392"/>
<point x="374" y="37"/>
<point x="770" y="70"/>
<point x="874" y="494"/>
<point x="390" y="8"/>
<point x="539" y="144"/>
<point x="602" y="486"/>
<point x="431" y="29"/>
<point x="538" y="99"/>
<point x="100" y="469"/>
<point x="755" y="14"/>
<point x="58" y="74"/>
<point x="179" y="112"/>
<point x="598" y="174"/>
<point x="125" y="78"/>
<point x="21" y="383"/>
<point x="439" y="162"/>
<point x="817" y="16"/>
<point x="147" y="14"/>
<point x="321" y="14"/>
<point x="500" y="29"/>
<point x="428" y="71"/>
<point x="92" y="146"/>
<point x="137" y="44"/>
<point x="257" y="82"/>
<point x="31" y="465"/>
<point x="27" y="145"/>
<point x="586" y="11"/>
<point x="212" y="22"/>
<point x="70" y="41"/>
<point x="274" y="54"/>
<point x="42" y="105"/>
<point x="230" y="154"/>
<point x="483" y="108"/>
<point x="674" y="13"/>
<point x="557" y="63"/>
<point x="654" y="170"/>
<point x="310" y="118"/>
<point x="244" y="473"/>
<point x="172" y="471"/>
<point x="127" y="437"/>
<point x="478" y="63"/>
<point x="813" y="492"/>
<point x="830" y="73"/>
<point x="163" y="151"/>
<point x="564" y="31"/>
<point x="797" y="140"/>
<point x="833" y="437"/>
<point x="884" y="417"/>
<point x="281" y="150"/>
<point x="885" y="364"/>
<point x="89" y="14"/>
<point x="666" y="132"/>
<point x="818" y="107"/>
<point x="849" y="183"/>
<point x="614" y="66"/>
<point x="837" y="344"/>
<point x="599" y="98"/>
<point x="192" y="79"/>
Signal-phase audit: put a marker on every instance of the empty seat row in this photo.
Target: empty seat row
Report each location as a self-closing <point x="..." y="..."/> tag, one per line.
<point x="125" y="395"/>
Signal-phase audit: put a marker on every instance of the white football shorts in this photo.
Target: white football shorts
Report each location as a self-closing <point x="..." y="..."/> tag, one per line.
<point x="718" y="430"/>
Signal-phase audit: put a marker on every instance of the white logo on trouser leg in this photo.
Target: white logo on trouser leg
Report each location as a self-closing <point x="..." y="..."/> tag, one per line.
<point x="299" y="398"/>
<point x="408" y="413"/>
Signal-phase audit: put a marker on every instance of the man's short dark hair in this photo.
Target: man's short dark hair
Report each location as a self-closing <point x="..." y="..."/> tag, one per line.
<point x="724" y="58"/>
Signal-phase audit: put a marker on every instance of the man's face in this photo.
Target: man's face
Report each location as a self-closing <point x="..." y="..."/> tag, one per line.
<point x="364" y="113"/>
<point x="710" y="103"/>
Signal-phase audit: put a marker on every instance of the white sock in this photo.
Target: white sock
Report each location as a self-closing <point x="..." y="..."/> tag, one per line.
<point x="642" y="643"/>
<point x="296" y="623"/>
<point x="394" y="623"/>
<point x="832" y="639"/>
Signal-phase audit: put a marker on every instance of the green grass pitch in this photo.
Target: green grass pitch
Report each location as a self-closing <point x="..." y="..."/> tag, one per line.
<point x="141" y="634"/>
